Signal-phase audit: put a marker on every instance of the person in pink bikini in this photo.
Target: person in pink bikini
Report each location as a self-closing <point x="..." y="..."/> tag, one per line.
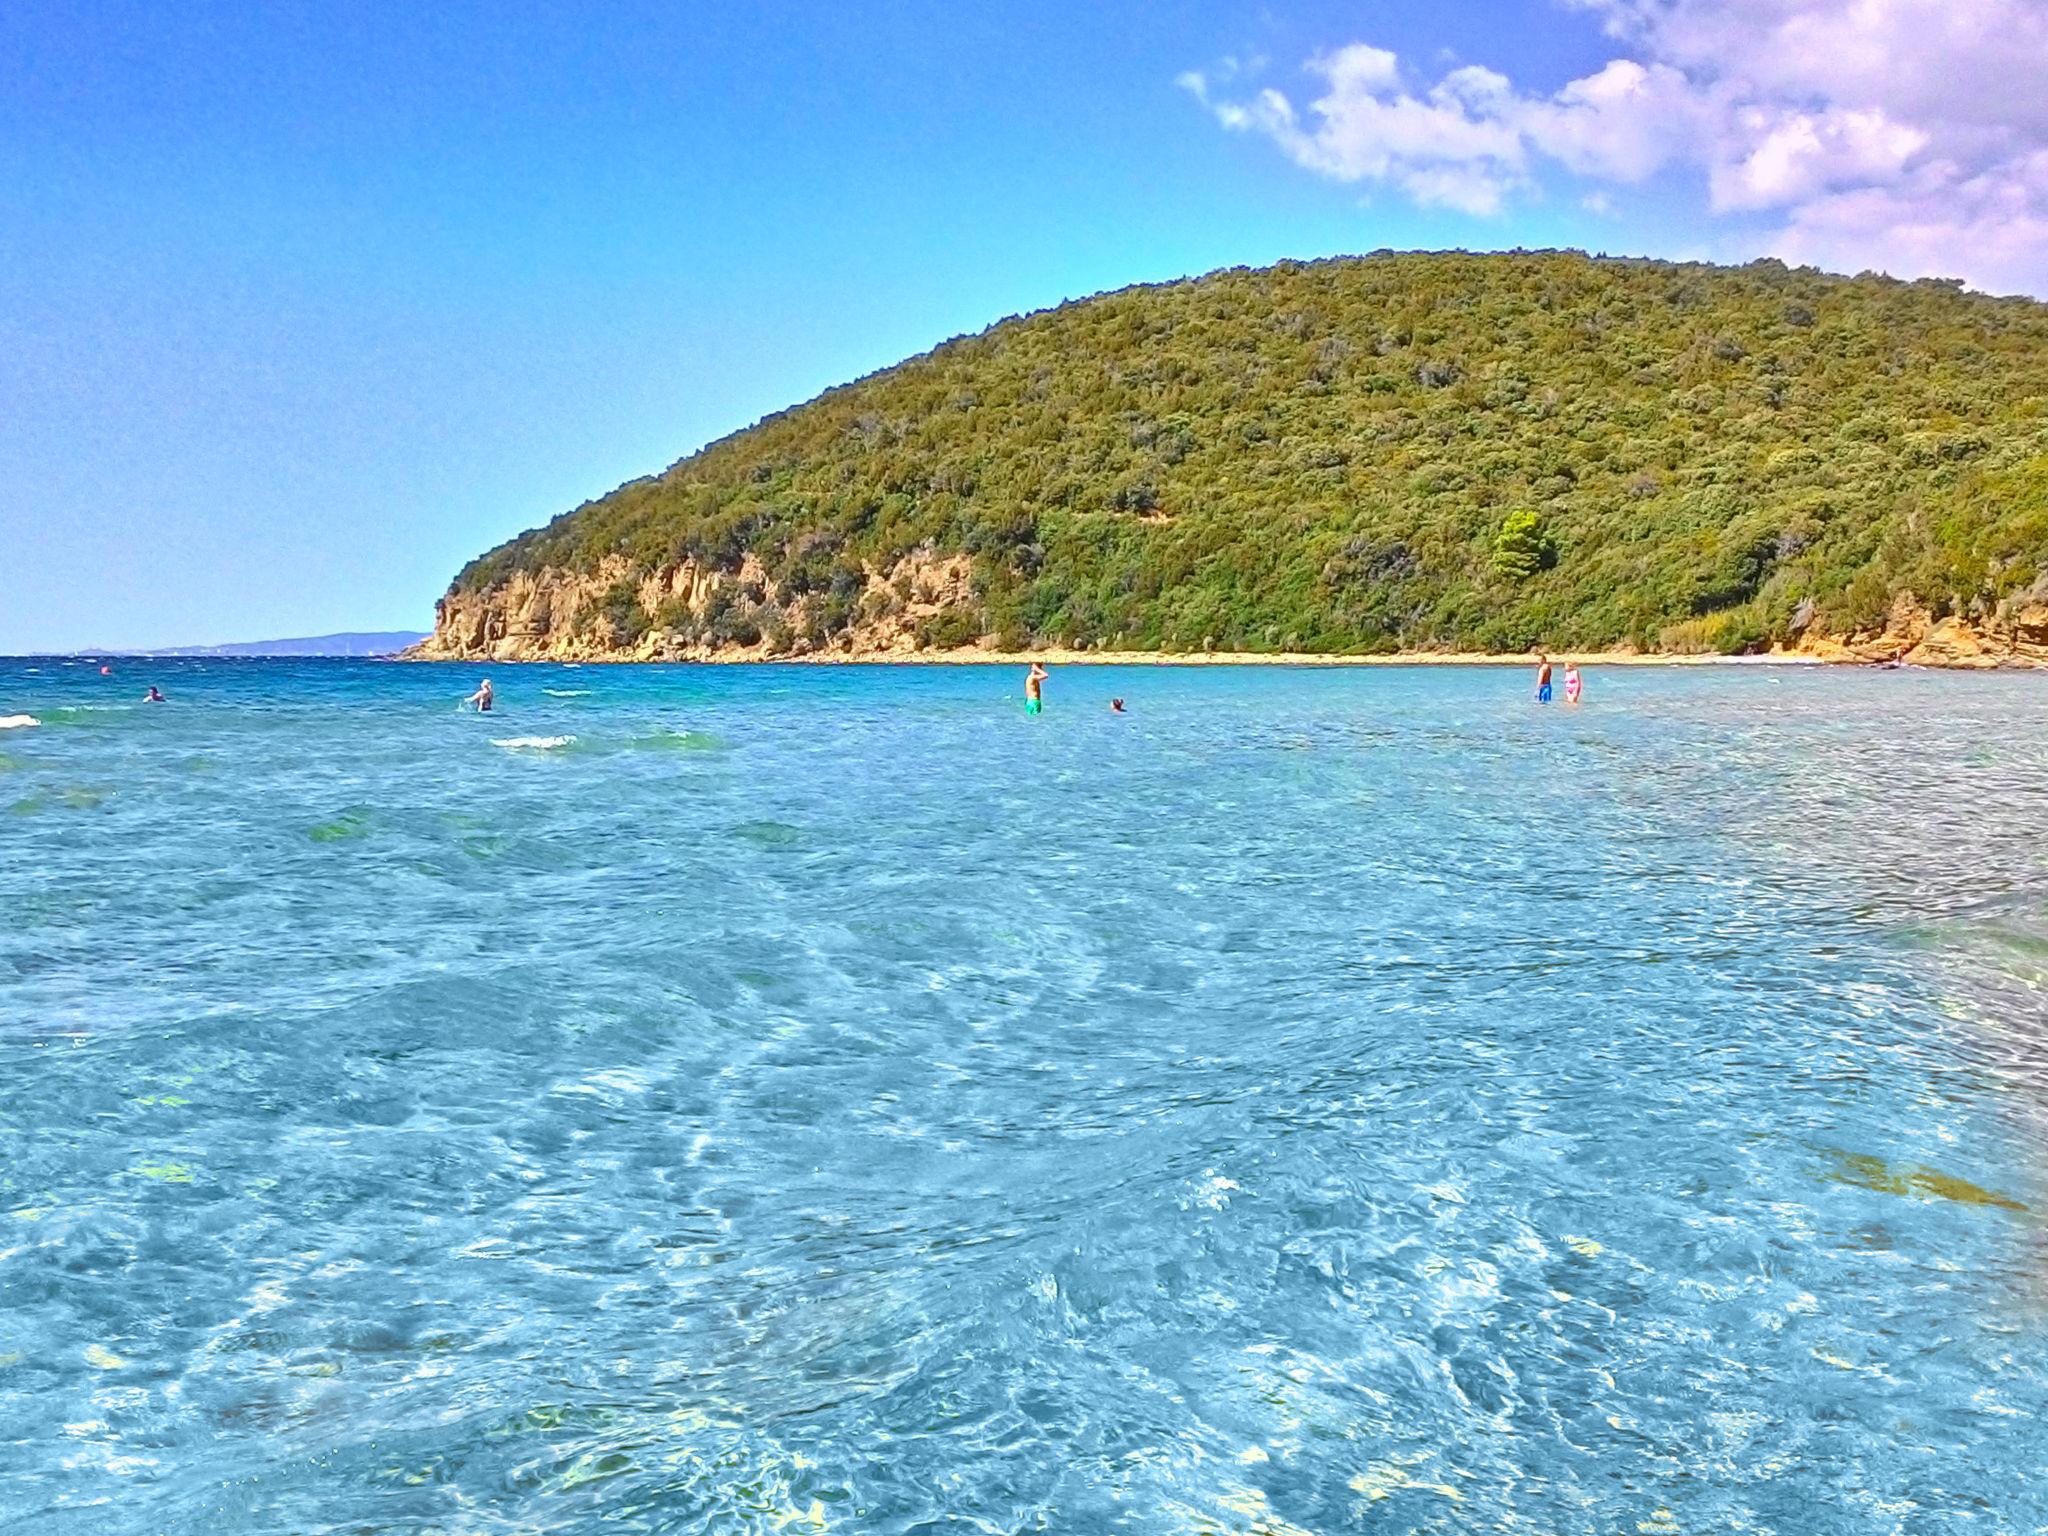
<point x="1572" y="686"/>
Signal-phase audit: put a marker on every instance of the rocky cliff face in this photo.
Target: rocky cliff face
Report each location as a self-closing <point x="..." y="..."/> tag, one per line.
<point x="2014" y="634"/>
<point x="685" y="613"/>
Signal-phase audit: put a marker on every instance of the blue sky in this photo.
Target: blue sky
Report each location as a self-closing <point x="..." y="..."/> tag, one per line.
<point x="300" y="310"/>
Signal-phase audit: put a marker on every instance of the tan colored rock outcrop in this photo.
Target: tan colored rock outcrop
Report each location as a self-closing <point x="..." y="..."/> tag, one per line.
<point x="560" y="615"/>
<point x="2015" y="634"/>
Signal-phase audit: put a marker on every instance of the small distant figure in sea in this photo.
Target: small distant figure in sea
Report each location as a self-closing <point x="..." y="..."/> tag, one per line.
<point x="106" y="671"/>
<point x="1572" y="685"/>
<point x="1034" y="682"/>
<point x="152" y="697"/>
<point x="481" y="698"/>
<point x="1116" y="706"/>
<point x="1542" y="678"/>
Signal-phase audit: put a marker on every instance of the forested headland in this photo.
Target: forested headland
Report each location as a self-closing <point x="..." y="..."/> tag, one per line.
<point x="1358" y="455"/>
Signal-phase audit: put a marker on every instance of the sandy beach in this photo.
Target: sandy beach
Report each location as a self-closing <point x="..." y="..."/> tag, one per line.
<point x="1947" y="645"/>
<point x="1061" y="657"/>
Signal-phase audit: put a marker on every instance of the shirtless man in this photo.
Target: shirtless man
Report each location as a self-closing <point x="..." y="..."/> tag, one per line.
<point x="1542" y="678"/>
<point x="1034" y="680"/>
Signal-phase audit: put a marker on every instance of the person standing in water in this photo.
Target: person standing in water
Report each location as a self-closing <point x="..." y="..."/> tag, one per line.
<point x="1542" y="678"/>
<point x="1034" y="682"/>
<point x="481" y="698"/>
<point x="1571" y="684"/>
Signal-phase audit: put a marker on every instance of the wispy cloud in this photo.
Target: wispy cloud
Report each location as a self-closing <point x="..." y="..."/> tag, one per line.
<point x="1910" y="135"/>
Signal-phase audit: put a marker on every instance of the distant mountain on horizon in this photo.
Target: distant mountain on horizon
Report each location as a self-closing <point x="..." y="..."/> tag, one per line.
<point x="369" y="643"/>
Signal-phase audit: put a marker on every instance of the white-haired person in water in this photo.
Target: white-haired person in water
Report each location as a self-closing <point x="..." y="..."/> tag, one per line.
<point x="481" y="698"/>
<point x="1034" y="682"/>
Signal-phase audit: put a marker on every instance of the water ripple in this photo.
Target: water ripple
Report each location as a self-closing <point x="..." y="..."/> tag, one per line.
<point x="795" y="1100"/>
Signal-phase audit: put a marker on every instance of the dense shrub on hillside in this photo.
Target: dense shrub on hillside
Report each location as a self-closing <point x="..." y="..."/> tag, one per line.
<point x="1394" y="450"/>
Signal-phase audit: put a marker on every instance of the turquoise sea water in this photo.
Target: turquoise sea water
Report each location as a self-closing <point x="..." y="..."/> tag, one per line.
<point x="823" y="1099"/>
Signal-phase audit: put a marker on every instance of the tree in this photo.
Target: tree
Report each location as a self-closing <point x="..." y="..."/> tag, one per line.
<point x="1522" y="547"/>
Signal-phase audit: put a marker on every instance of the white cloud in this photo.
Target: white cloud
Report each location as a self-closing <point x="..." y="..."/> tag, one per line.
<point x="1954" y="61"/>
<point x="1793" y="157"/>
<point x="1910" y="135"/>
<point x="1366" y="127"/>
<point x="1455" y="186"/>
<point x="1624" y="123"/>
<point x="1991" y="228"/>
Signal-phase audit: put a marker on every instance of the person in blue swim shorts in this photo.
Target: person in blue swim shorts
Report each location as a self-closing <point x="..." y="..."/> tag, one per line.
<point x="1034" y="681"/>
<point x="1542" y="678"/>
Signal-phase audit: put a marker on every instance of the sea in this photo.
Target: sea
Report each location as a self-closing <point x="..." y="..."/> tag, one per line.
<point x="798" y="1099"/>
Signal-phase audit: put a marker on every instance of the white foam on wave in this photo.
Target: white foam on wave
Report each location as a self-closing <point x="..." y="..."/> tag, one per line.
<point x="16" y="722"/>
<point x="531" y="743"/>
<point x="565" y="693"/>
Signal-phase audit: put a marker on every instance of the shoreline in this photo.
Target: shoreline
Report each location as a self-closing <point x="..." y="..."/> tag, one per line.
<point x="1944" y="645"/>
<point x="1061" y="657"/>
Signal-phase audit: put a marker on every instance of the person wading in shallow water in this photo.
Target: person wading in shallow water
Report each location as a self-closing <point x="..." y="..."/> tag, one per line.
<point x="1572" y="685"/>
<point x="1542" y="678"/>
<point x="481" y="698"/>
<point x="1034" y="680"/>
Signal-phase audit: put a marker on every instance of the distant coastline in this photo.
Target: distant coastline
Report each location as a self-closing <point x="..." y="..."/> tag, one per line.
<point x="349" y="643"/>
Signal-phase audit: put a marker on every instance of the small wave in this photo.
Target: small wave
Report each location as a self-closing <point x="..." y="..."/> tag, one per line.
<point x="565" y="693"/>
<point x="17" y="722"/>
<point x="531" y="743"/>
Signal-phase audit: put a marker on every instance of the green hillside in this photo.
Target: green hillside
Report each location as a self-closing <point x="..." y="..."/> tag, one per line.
<point x="1390" y="451"/>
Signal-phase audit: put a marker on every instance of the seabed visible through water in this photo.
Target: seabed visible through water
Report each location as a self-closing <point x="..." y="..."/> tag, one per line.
<point x="822" y="1099"/>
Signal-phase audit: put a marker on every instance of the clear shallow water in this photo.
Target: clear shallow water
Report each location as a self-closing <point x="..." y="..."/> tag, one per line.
<point x="822" y="1099"/>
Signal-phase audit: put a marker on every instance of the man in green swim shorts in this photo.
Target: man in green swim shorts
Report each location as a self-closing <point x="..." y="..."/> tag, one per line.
<point x="1034" y="680"/>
